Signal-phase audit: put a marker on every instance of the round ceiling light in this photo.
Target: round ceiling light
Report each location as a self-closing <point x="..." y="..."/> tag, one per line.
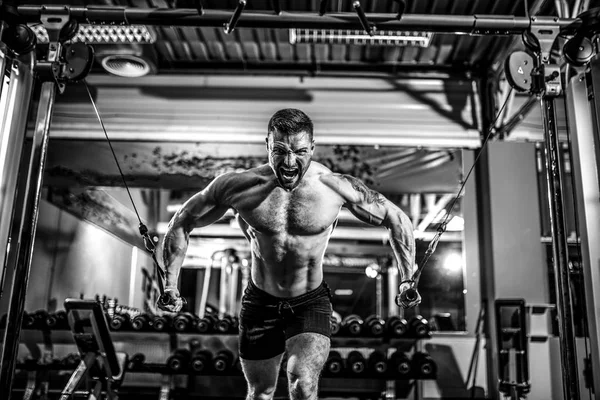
<point x="126" y="65"/>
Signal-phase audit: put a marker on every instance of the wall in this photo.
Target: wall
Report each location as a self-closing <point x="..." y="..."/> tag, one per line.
<point x="72" y="257"/>
<point x="520" y="269"/>
<point x="519" y="261"/>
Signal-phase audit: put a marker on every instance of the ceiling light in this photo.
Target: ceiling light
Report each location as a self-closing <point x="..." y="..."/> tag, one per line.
<point x="126" y="65"/>
<point x="104" y="34"/>
<point x="379" y="38"/>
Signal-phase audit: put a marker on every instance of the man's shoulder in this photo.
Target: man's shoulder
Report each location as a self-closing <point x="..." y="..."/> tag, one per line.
<point x="327" y="176"/>
<point x="240" y="180"/>
<point x="319" y="169"/>
<point x="233" y="177"/>
<point x="345" y="185"/>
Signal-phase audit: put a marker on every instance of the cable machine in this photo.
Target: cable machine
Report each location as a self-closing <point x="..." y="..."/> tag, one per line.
<point x="531" y="71"/>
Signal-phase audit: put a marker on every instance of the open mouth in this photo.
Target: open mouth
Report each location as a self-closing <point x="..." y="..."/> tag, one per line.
<point x="289" y="174"/>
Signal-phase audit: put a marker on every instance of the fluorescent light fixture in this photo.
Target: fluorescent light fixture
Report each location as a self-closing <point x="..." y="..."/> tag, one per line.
<point x="343" y="292"/>
<point x="104" y="34"/>
<point x="380" y="38"/>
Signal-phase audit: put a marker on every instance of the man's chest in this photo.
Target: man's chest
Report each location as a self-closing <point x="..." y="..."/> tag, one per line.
<point x="300" y="212"/>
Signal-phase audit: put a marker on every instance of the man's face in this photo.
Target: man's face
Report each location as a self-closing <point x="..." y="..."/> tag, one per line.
<point x="289" y="157"/>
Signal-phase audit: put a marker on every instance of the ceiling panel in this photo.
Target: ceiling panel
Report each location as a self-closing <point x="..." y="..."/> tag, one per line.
<point x="189" y="49"/>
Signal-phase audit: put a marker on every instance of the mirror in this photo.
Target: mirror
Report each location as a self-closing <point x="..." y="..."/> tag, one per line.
<point x="164" y="170"/>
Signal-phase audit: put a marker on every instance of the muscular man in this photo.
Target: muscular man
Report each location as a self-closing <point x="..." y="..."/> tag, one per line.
<point x="288" y="209"/>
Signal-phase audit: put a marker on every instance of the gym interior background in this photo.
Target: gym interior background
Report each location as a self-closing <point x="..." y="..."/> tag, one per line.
<point x="407" y="111"/>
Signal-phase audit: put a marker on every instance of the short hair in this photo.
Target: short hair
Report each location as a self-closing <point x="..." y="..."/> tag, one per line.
<point x="290" y="121"/>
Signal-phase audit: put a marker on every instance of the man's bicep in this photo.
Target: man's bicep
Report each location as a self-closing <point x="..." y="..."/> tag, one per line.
<point x="365" y="203"/>
<point x="361" y="192"/>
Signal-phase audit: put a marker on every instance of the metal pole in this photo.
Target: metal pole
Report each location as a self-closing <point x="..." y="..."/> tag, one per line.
<point x="379" y="295"/>
<point x="14" y="104"/>
<point x="485" y="240"/>
<point x="472" y="24"/>
<point x="223" y="285"/>
<point x="566" y="330"/>
<point x="23" y="248"/>
<point x="392" y="289"/>
<point x="3" y="54"/>
<point x="233" y="288"/>
<point x="584" y="131"/>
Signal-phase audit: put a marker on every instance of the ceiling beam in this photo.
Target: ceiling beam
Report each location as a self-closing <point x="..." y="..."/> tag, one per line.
<point x="349" y="69"/>
<point x="469" y="24"/>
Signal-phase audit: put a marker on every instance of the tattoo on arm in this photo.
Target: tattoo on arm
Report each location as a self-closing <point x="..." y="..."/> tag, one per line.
<point x="369" y="195"/>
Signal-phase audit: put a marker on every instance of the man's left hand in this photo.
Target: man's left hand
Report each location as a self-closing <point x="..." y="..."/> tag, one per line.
<point x="406" y="298"/>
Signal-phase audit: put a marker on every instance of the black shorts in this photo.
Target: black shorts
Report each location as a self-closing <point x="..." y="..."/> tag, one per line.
<point x="266" y="321"/>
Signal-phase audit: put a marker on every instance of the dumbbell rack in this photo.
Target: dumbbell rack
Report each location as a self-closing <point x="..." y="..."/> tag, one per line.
<point x="388" y="388"/>
<point x="158" y="346"/>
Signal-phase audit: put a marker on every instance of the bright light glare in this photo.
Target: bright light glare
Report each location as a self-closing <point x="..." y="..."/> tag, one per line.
<point x="453" y="262"/>
<point x="372" y="270"/>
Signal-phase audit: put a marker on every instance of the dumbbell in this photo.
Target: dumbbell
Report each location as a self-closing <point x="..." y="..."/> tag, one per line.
<point x="334" y="366"/>
<point x="419" y="327"/>
<point x="184" y="322"/>
<point x="206" y="324"/>
<point x="356" y="363"/>
<point x="119" y="322"/>
<point x="401" y="365"/>
<point x="423" y="365"/>
<point x="57" y="320"/>
<point x="161" y="323"/>
<point x="335" y="325"/>
<point x="36" y="320"/>
<point x="377" y="364"/>
<point x="351" y="325"/>
<point x="179" y="361"/>
<point x="223" y="361"/>
<point x="396" y="326"/>
<point x="227" y="324"/>
<point x="141" y="322"/>
<point x="374" y="326"/>
<point x="202" y="359"/>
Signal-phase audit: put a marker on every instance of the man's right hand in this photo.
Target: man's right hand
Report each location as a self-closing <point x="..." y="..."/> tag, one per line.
<point x="408" y="296"/>
<point x="170" y="301"/>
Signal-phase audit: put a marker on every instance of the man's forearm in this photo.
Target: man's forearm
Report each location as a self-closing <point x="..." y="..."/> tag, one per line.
<point x="403" y="243"/>
<point x="175" y="246"/>
<point x="405" y="256"/>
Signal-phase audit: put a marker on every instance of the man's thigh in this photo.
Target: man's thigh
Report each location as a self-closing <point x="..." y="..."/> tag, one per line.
<point x="262" y="375"/>
<point x="307" y="353"/>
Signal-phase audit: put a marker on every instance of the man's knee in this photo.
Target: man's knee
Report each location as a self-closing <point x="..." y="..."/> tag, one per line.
<point x="261" y="391"/>
<point x="303" y="386"/>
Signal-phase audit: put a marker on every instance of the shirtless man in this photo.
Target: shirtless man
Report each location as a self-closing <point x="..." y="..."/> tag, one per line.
<point x="287" y="209"/>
